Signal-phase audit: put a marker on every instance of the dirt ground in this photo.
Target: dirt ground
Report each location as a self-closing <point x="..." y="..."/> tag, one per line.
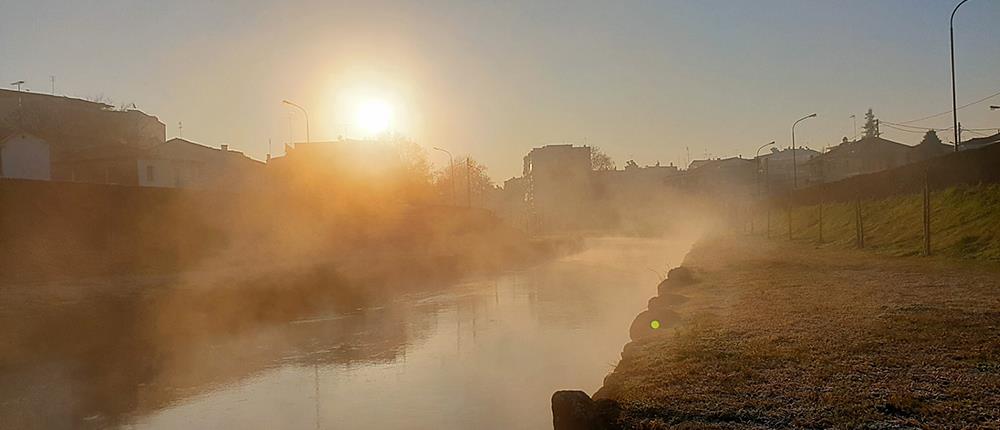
<point x="782" y="335"/>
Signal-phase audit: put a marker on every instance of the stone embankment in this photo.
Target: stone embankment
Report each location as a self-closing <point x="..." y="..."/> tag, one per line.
<point x="575" y="410"/>
<point x="752" y="334"/>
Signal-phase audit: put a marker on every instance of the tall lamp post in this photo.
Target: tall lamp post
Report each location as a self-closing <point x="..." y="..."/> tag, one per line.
<point x="954" y="97"/>
<point x="304" y="112"/>
<point x="451" y="161"/>
<point x="795" y="164"/>
<point x="757" y="177"/>
<point x="759" y="169"/>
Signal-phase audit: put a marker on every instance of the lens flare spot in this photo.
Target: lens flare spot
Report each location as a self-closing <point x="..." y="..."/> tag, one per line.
<point x="655" y="324"/>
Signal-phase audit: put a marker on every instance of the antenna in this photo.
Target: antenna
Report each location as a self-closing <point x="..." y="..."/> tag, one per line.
<point x="180" y="129"/>
<point x="52" y="79"/>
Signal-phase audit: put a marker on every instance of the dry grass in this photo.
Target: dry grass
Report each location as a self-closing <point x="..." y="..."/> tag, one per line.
<point x="784" y="335"/>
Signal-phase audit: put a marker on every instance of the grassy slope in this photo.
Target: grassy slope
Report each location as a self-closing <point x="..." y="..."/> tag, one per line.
<point x="965" y="223"/>
<point x="780" y="335"/>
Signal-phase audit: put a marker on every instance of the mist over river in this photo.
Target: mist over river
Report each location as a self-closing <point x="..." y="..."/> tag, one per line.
<point x="487" y="353"/>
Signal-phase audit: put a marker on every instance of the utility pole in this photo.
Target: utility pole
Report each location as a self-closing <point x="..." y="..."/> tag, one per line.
<point x="954" y="97"/>
<point x="468" y="182"/>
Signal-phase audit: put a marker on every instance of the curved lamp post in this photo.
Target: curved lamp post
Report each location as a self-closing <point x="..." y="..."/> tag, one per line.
<point x="757" y="157"/>
<point x="303" y="113"/>
<point x="954" y="98"/>
<point x="451" y="161"/>
<point x="795" y="166"/>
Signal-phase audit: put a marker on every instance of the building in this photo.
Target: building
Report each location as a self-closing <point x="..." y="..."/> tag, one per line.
<point x="559" y="186"/>
<point x="851" y="158"/>
<point x="979" y="142"/>
<point x="181" y="163"/>
<point x="720" y="177"/>
<point x="78" y="128"/>
<point x="777" y="173"/>
<point x="930" y="147"/>
<point x="24" y="156"/>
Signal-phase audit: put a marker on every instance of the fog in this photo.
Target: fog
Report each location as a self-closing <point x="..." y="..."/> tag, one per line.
<point x="339" y="286"/>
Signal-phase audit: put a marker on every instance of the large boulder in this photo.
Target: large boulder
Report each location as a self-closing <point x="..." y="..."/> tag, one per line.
<point x="667" y="300"/>
<point x="575" y="410"/>
<point x="653" y="322"/>
<point x="676" y="277"/>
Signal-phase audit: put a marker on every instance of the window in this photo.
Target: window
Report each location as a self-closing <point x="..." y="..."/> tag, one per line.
<point x="150" y="174"/>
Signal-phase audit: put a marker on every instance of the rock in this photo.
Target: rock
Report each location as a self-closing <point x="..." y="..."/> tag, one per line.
<point x="573" y="410"/>
<point x="680" y="275"/>
<point x="676" y="277"/>
<point x="653" y="322"/>
<point x="666" y="301"/>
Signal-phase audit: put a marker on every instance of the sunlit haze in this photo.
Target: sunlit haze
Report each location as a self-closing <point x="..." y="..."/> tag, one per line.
<point x="493" y="215"/>
<point x="642" y="80"/>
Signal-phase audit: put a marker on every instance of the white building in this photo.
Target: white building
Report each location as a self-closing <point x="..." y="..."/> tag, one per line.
<point x="24" y="156"/>
<point x="184" y="164"/>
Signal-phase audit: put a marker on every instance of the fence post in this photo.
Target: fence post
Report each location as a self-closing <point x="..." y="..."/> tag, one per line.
<point x="927" y="215"/>
<point x="769" y="220"/>
<point x="789" y="219"/>
<point x="821" y="221"/>
<point x="859" y="224"/>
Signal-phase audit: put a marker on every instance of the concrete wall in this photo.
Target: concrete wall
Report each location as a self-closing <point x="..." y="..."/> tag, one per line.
<point x="24" y="156"/>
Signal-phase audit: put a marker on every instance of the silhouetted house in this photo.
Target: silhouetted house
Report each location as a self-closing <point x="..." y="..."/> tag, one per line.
<point x="113" y="164"/>
<point x="979" y="142"/>
<point x="335" y="161"/>
<point x="177" y="163"/>
<point x="732" y="176"/>
<point x="354" y="171"/>
<point x="24" y="156"/>
<point x="926" y="150"/>
<point x="777" y="172"/>
<point x="867" y="155"/>
<point x="184" y="164"/>
<point x="71" y="125"/>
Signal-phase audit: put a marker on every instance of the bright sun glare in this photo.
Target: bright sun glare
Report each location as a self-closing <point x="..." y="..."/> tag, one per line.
<point x="374" y="116"/>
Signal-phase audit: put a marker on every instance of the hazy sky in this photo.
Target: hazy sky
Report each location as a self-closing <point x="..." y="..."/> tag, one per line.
<point x="642" y="80"/>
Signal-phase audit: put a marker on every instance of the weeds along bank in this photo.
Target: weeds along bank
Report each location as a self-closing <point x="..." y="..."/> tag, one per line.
<point x="964" y="222"/>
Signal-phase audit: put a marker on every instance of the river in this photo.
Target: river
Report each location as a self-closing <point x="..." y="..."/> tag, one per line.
<point x="487" y="354"/>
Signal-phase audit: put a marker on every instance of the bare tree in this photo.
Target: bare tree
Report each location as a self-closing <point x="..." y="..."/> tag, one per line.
<point x="599" y="160"/>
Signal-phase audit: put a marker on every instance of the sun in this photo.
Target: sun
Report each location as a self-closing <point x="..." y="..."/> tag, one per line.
<point x="374" y="117"/>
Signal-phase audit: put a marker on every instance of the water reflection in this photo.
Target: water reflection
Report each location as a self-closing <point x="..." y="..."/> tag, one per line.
<point x="487" y="353"/>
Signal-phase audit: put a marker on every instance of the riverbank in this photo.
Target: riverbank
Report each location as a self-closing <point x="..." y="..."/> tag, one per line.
<point x="776" y="334"/>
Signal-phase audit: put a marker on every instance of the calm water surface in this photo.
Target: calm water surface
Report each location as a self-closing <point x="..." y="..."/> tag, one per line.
<point x="485" y="354"/>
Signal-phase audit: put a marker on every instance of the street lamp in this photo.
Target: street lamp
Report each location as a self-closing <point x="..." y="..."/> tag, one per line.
<point x="954" y="98"/>
<point x="303" y="113"/>
<point x="795" y="174"/>
<point x="451" y="161"/>
<point x="757" y="157"/>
